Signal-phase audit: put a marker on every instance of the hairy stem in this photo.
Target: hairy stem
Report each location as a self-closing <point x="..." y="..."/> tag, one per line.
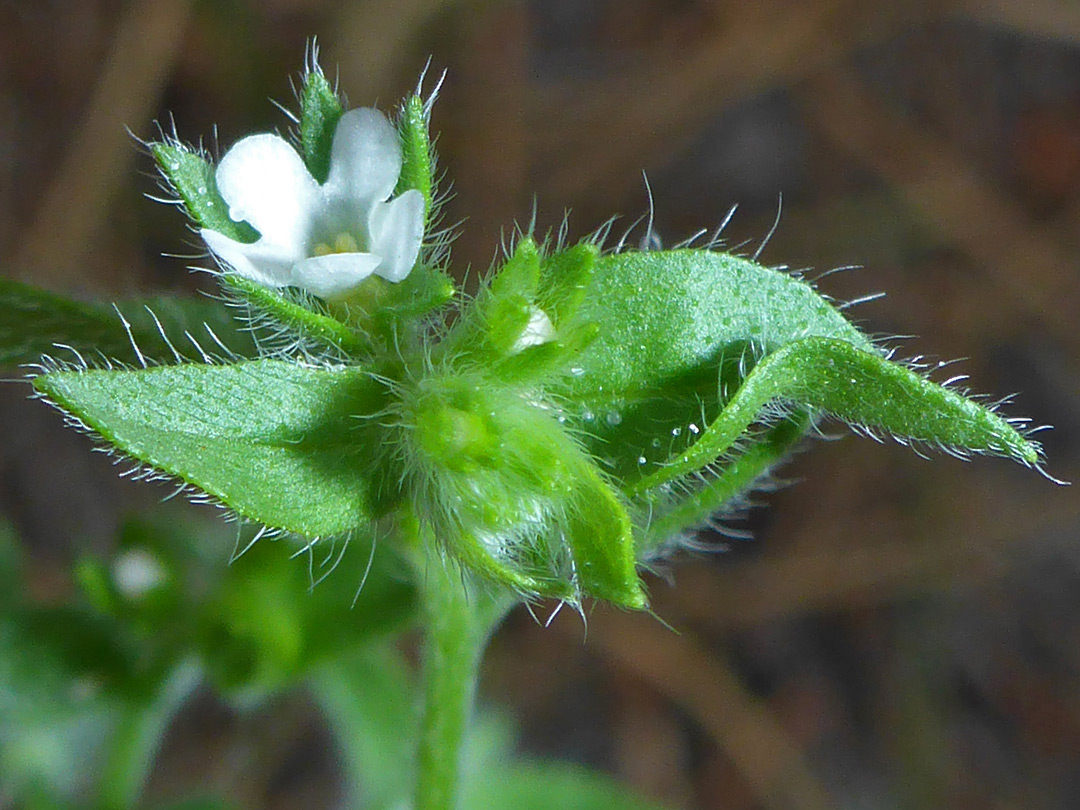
<point x="458" y="623"/>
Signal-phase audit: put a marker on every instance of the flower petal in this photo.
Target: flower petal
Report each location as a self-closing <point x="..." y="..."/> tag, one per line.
<point x="263" y="262"/>
<point x="334" y="274"/>
<point x="365" y="159"/>
<point x="396" y="230"/>
<point x="265" y="182"/>
<point x="537" y="331"/>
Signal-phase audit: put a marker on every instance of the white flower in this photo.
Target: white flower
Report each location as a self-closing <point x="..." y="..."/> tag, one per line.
<point x="323" y="238"/>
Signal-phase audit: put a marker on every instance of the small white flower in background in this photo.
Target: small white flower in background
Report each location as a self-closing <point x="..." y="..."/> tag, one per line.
<point x="137" y="572"/>
<point x="325" y="238"/>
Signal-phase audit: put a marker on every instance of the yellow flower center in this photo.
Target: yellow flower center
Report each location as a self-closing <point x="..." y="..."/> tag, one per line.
<point x="344" y="242"/>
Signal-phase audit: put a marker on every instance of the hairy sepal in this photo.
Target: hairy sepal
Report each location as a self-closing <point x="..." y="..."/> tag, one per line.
<point x="290" y="447"/>
<point x="418" y="159"/>
<point x="389" y="311"/>
<point x="531" y="282"/>
<point x="192" y="178"/>
<point x="512" y="496"/>
<point x="320" y="111"/>
<point x="294" y="318"/>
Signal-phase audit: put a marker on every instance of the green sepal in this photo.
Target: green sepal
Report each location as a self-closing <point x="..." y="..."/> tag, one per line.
<point x="488" y="329"/>
<point x="320" y="111"/>
<point x="513" y="497"/>
<point x="302" y="321"/>
<point x="418" y="161"/>
<point x="858" y="387"/>
<point x="284" y="445"/>
<point x="193" y="178"/>
<point x="601" y="539"/>
<point x="536" y="363"/>
<point x="520" y="275"/>
<point x="564" y="281"/>
<point x="423" y="291"/>
<point x="381" y="307"/>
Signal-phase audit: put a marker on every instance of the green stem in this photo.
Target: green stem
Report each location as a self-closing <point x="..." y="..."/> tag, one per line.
<point x="458" y="623"/>
<point x="138" y="737"/>
<point x="367" y="698"/>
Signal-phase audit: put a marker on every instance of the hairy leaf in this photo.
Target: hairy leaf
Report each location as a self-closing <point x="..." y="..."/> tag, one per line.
<point x="674" y="322"/>
<point x="666" y="316"/>
<point x="667" y="322"/>
<point x="283" y="445"/>
<point x="34" y="322"/>
<point x="861" y="388"/>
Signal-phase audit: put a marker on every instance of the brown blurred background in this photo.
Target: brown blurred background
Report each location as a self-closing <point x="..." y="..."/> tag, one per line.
<point x="898" y="633"/>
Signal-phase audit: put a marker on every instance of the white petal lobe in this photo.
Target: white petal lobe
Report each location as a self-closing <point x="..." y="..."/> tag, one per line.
<point x="397" y="230"/>
<point x="265" y="182"/>
<point x="335" y="274"/>
<point x="365" y="159"/>
<point x="262" y="262"/>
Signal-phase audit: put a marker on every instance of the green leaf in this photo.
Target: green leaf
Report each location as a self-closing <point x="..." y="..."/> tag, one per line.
<point x="267" y="625"/>
<point x="320" y="111"/>
<point x="33" y="322"/>
<point x="284" y="445"/>
<point x="193" y="179"/>
<point x="667" y="319"/>
<point x="672" y="323"/>
<point x="418" y="161"/>
<point x="545" y="785"/>
<point x="860" y="388"/>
